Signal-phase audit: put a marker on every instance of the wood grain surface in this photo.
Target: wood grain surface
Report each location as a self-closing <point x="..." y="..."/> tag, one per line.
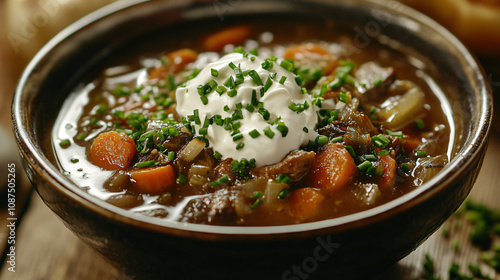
<point x="45" y="249"/>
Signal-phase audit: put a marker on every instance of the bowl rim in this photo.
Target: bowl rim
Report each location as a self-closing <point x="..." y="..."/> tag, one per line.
<point x="52" y="174"/>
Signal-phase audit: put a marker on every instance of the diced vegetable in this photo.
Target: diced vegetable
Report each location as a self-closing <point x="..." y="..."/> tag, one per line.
<point x="333" y="169"/>
<point x="399" y="110"/>
<point x="235" y="35"/>
<point x="366" y="193"/>
<point x="389" y="175"/>
<point x="192" y="149"/>
<point x="154" y="180"/>
<point x="306" y="203"/>
<point x="175" y="62"/>
<point x="112" y="150"/>
<point x="310" y="53"/>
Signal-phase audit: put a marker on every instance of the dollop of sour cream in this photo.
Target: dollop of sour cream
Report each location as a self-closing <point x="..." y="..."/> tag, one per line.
<point x="248" y="108"/>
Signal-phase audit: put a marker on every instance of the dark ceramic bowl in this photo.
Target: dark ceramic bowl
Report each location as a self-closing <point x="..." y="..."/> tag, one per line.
<point x="148" y="248"/>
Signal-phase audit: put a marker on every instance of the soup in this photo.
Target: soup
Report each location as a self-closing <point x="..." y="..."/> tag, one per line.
<point x="255" y="125"/>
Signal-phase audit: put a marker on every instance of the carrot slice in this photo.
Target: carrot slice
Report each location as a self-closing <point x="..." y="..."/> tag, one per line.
<point x="333" y="169"/>
<point x="112" y="150"/>
<point x="388" y="176"/>
<point x="314" y="53"/>
<point x="235" y="35"/>
<point x="304" y="50"/>
<point x="306" y="203"/>
<point x="176" y="61"/>
<point x="154" y="180"/>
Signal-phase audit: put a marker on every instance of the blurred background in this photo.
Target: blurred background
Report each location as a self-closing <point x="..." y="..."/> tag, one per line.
<point x="46" y="250"/>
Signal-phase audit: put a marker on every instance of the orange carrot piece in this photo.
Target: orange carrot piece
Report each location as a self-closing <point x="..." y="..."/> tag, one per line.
<point x="388" y="176"/>
<point x="306" y="203"/>
<point x="154" y="180"/>
<point x="313" y="52"/>
<point x="176" y="61"/>
<point x="333" y="169"/>
<point x="112" y="150"/>
<point x="235" y="35"/>
<point x="305" y="50"/>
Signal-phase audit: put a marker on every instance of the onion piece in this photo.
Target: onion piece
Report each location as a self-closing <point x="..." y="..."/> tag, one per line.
<point x="192" y="150"/>
<point x="366" y="193"/>
<point x="399" y="110"/>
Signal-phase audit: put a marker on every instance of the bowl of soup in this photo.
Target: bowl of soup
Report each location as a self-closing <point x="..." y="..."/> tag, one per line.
<point x="257" y="139"/>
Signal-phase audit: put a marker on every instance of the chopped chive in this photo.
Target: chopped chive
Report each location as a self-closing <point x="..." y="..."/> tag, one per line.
<point x="299" y="80"/>
<point x="217" y="119"/>
<point x="237" y="137"/>
<point x="204" y="99"/>
<point x="237" y="115"/>
<point x="383" y="152"/>
<point x="236" y="125"/>
<point x="405" y="167"/>
<point x="343" y="97"/>
<point x="171" y="155"/>
<point x="394" y="133"/>
<point x="371" y="157"/>
<point x="203" y="131"/>
<point x="75" y="160"/>
<point x="232" y="65"/>
<point x="282" y="128"/>
<point x="420" y="124"/>
<point x="337" y="139"/>
<point x="283" y="178"/>
<point x="226" y="108"/>
<point x="217" y="155"/>
<point x="250" y="108"/>
<point x="64" y="143"/>
<point x="254" y="52"/>
<point x="380" y="141"/>
<point x="101" y="109"/>
<point x="351" y="151"/>
<point x="230" y="82"/>
<point x="364" y="166"/>
<point x="81" y="137"/>
<point x="240" y="146"/>
<point x="254" y="98"/>
<point x="214" y="72"/>
<point x="239" y="105"/>
<point x="182" y="179"/>
<point x="268" y="132"/>
<point x="421" y="153"/>
<point x="268" y="84"/>
<point x="268" y="65"/>
<point x="232" y="93"/>
<point x="265" y="113"/>
<point x="283" y="80"/>
<point x="288" y="65"/>
<point x="371" y="170"/>
<point x="256" y="204"/>
<point x="197" y="117"/>
<point x="321" y="140"/>
<point x="148" y="163"/>
<point x="254" y="133"/>
<point x="220" y="90"/>
<point x="220" y="181"/>
<point x="255" y="77"/>
<point x="305" y="129"/>
<point x="283" y="193"/>
<point x="257" y="195"/>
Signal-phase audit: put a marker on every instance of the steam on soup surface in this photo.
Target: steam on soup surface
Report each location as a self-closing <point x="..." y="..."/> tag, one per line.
<point x="255" y="125"/>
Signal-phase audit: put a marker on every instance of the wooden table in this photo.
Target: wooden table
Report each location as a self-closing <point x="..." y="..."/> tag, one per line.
<point x="45" y="249"/>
